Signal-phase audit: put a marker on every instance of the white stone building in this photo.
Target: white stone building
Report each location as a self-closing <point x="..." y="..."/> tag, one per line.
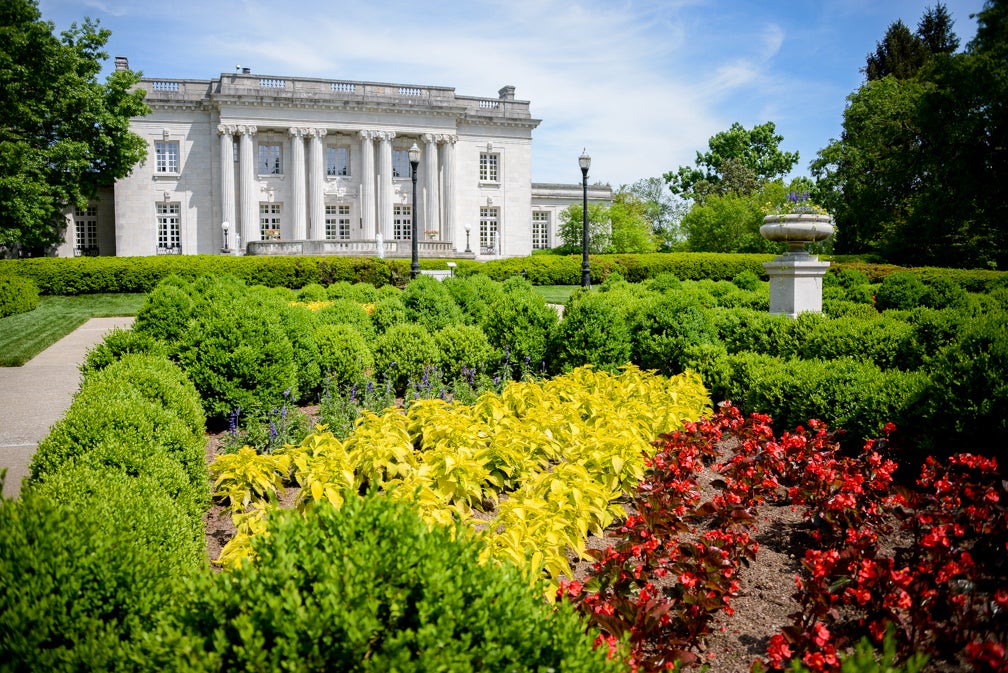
<point x="317" y="166"/>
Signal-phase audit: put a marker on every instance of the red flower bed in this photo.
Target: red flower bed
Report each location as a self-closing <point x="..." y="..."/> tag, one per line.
<point x="675" y="562"/>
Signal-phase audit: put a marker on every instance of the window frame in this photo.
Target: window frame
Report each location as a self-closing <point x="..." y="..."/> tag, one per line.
<point x="168" y="227"/>
<point x="272" y="157"/>
<point x="400" y="162"/>
<point x="489" y="167"/>
<point x="270" y="213"/>
<point x="402" y="222"/>
<point x="489" y="230"/>
<point x="540" y="230"/>
<point x="337" y="221"/>
<point x="337" y="168"/>
<point x="86" y="230"/>
<point x="167" y="162"/>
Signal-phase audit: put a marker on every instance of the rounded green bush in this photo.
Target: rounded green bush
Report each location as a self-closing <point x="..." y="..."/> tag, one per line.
<point x="312" y="292"/>
<point x="943" y="293"/>
<point x="388" y="311"/>
<point x="345" y="311"/>
<point x="17" y="295"/>
<point x="900" y="290"/>
<point x="299" y="324"/>
<point x="371" y="587"/>
<point x="239" y="357"/>
<point x="79" y="594"/>
<point x="344" y="355"/>
<point x="662" y="329"/>
<point x="462" y="347"/>
<point x="520" y="325"/>
<point x="430" y="304"/>
<point x="403" y="353"/>
<point x="473" y="294"/>
<point x="746" y="280"/>
<point x="118" y="343"/>
<point x="592" y="331"/>
<point x="966" y="407"/>
<point x="165" y="314"/>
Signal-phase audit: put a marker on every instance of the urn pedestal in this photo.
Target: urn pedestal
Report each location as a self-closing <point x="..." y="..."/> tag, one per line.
<point x="796" y="276"/>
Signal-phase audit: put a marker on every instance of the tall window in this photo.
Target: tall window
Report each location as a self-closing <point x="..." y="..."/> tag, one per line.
<point x="270" y="160"/>
<point x="86" y="228"/>
<point x="540" y="229"/>
<point x="402" y="222"/>
<point x="337" y="160"/>
<point x="337" y="222"/>
<point x="488" y="167"/>
<point x="269" y="221"/>
<point x="400" y="164"/>
<point x="166" y="156"/>
<point x="169" y="230"/>
<point x="488" y="231"/>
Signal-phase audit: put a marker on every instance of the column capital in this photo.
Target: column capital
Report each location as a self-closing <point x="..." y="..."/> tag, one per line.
<point x="448" y="139"/>
<point x="245" y="129"/>
<point x="385" y="135"/>
<point x="226" y="129"/>
<point x="367" y="135"/>
<point x="318" y="133"/>
<point x="429" y="138"/>
<point x="297" y="132"/>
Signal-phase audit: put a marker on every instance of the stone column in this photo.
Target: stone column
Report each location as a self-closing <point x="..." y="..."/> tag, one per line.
<point x="432" y="216"/>
<point x="249" y="198"/>
<point x="316" y="185"/>
<point x="448" y="186"/>
<point x="226" y="132"/>
<point x="385" y="185"/>
<point x="298" y="191"/>
<point x="367" y="184"/>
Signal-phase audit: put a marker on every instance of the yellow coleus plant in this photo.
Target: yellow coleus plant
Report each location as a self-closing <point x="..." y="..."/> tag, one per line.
<point x="540" y="466"/>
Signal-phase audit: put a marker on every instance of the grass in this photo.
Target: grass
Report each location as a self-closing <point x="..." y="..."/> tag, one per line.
<point x="556" y="294"/>
<point x="25" y="335"/>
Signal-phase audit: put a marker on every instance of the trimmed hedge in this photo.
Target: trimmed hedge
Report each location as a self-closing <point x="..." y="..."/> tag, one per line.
<point x="371" y="587"/>
<point x="17" y="295"/>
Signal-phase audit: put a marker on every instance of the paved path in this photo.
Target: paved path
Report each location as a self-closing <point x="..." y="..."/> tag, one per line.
<point x="35" y="396"/>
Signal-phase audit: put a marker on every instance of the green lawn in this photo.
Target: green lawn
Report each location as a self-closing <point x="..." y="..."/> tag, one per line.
<point x="556" y="294"/>
<point x="25" y="335"/>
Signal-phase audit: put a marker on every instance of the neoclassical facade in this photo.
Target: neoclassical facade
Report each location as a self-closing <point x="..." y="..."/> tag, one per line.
<point x="316" y="166"/>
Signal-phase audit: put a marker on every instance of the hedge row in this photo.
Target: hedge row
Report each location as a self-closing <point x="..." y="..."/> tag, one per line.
<point x="109" y="523"/>
<point x="70" y="276"/>
<point x="17" y="295"/>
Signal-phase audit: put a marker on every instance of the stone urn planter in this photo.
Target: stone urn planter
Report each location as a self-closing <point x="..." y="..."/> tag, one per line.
<point x="797" y="230"/>
<point x="796" y="276"/>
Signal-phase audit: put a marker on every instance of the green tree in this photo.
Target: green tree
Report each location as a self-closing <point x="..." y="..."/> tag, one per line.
<point x="572" y="227"/>
<point x="902" y="53"/>
<point x="737" y="161"/>
<point x="731" y="222"/>
<point x="916" y="176"/>
<point x="663" y="210"/>
<point x="631" y="231"/>
<point x="64" y="134"/>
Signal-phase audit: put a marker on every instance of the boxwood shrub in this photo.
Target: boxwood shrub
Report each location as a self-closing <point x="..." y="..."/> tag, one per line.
<point x="344" y="355"/>
<point x="80" y="593"/>
<point x="371" y="587"/>
<point x="403" y="353"/>
<point x="663" y="327"/>
<point x="118" y="343"/>
<point x="17" y="295"/>
<point x="463" y="347"/>
<point x="520" y="325"/>
<point x="592" y="331"/>
<point x="430" y="304"/>
<point x="387" y="311"/>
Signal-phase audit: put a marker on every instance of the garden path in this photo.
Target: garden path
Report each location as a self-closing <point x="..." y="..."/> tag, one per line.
<point x="36" y="395"/>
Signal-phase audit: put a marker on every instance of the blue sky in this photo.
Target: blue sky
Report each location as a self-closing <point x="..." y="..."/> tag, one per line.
<point x="641" y="84"/>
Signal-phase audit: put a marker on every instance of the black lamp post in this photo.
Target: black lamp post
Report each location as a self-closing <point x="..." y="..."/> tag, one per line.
<point x="584" y="161"/>
<point x="414" y="160"/>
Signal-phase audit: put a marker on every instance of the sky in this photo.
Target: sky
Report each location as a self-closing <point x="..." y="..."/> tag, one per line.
<point x="641" y="85"/>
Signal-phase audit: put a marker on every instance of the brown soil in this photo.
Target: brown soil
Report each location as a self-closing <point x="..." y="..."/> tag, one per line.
<point x="761" y="608"/>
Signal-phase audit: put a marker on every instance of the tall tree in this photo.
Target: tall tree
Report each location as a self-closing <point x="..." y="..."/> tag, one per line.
<point x="664" y="212"/>
<point x="902" y="53"/>
<point x="917" y="176"/>
<point x="64" y="134"/>
<point x="737" y="161"/>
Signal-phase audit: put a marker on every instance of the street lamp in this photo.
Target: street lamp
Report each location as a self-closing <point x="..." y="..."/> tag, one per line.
<point x="584" y="161"/>
<point x="225" y="226"/>
<point x="468" y="229"/>
<point x="414" y="160"/>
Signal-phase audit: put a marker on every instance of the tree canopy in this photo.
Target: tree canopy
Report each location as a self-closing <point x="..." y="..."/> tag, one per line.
<point x="738" y="161"/>
<point x="917" y="175"/>
<point x="64" y="134"/>
<point x="902" y="53"/>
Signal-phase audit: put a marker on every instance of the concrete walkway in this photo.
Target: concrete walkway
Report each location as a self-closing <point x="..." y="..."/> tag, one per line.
<point x="35" y="396"/>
